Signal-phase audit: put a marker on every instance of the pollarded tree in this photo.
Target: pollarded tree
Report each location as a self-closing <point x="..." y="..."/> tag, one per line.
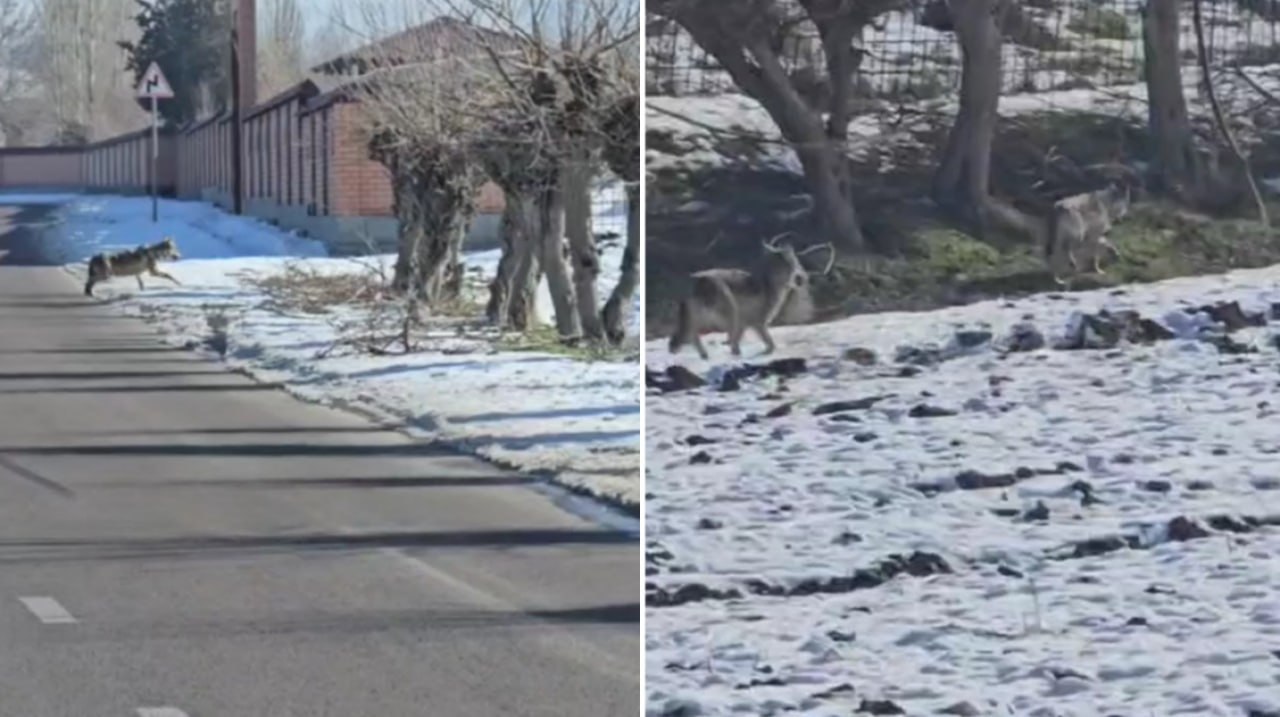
<point x="573" y="62"/>
<point x="746" y="37"/>
<point x="520" y="155"/>
<point x="622" y="154"/>
<point x="433" y="188"/>
<point x="424" y="110"/>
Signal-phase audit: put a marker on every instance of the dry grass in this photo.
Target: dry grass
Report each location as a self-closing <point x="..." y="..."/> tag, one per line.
<point x="303" y="288"/>
<point x="369" y="318"/>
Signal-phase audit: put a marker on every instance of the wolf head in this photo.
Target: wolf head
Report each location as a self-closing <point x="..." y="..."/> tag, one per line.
<point x="1118" y="200"/>
<point x="167" y="249"/>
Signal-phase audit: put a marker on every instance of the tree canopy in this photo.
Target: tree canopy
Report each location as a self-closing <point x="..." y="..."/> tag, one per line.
<point x="190" y="39"/>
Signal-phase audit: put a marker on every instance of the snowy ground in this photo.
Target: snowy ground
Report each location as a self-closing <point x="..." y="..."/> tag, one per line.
<point x="574" y="419"/>
<point x="773" y="535"/>
<point x="684" y="120"/>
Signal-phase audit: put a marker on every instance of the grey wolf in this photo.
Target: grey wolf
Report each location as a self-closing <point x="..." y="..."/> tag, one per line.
<point x="1077" y="227"/>
<point x="134" y="262"/>
<point x="733" y="300"/>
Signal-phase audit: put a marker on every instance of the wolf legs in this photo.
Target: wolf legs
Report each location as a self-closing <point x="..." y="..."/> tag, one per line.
<point x="161" y="274"/>
<point x="1103" y="243"/>
<point x="763" y="332"/>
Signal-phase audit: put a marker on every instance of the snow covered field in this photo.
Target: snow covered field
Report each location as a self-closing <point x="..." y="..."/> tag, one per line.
<point x="688" y="146"/>
<point x="576" y="420"/>
<point x="1082" y="533"/>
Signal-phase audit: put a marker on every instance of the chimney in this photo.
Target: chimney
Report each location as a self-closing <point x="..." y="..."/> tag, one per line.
<point x="246" y="20"/>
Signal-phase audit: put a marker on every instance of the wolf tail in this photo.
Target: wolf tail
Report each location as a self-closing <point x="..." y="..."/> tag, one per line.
<point x="97" y="271"/>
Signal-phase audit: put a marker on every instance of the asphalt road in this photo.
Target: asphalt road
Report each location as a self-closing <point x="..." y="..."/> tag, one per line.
<point x="178" y="540"/>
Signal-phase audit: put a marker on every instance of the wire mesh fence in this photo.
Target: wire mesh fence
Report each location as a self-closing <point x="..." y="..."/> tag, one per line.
<point x="911" y="53"/>
<point x="609" y="209"/>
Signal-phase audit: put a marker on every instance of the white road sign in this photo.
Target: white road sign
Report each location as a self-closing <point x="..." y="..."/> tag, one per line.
<point x="154" y="85"/>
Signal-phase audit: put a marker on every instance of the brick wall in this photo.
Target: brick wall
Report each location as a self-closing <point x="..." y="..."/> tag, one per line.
<point x="305" y="161"/>
<point x="363" y="185"/>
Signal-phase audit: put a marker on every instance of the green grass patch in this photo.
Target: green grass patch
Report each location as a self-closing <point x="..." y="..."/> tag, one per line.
<point x="949" y="253"/>
<point x="544" y="339"/>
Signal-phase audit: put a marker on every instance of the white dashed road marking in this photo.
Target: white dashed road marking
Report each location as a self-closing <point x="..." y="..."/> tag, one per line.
<point x="160" y="712"/>
<point x="48" y="610"/>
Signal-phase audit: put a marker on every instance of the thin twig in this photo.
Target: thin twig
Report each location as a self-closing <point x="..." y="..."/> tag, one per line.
<point x="1266" y="94"/>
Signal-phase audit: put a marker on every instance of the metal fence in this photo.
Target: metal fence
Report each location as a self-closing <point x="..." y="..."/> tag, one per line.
<point x="1050" y="45"/>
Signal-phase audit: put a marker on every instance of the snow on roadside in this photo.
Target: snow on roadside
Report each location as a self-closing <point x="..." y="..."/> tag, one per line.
<point x="782" y="508"/>
<point x="576" y="420"/>
<point x="93" y="223"/>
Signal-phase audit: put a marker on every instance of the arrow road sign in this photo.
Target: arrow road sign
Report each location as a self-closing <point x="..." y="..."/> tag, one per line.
<point x="154" y="85"/>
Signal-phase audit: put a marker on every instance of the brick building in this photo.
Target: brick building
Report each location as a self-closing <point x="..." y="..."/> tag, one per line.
<point x="306" y="163"/>
<point x="305" y="166"/>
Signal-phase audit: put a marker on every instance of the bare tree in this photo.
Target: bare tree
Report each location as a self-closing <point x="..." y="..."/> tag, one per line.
<point x="330" y="39"/>
<point x="747" y="36"/>
<point x="519" y="155"/>
<point x="434" y="186"/>
<point x="622" y="153"/>
<point x="86" y="87"/>
<point x="16" y="80"/>
<point x="519" y="91"/>
<point x="282" y="29"/>
<point x="423" y="120"/>
<point x="572" y="61"/>
<point x="599" y="60"/>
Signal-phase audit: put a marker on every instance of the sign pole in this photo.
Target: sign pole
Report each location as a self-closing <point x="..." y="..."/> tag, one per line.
<point x="155" y="156"/>
<point x="155" y="87"/>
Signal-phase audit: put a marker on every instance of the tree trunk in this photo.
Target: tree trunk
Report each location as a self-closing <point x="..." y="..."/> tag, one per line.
<point x="526" y="268"/>
<point x="827" y="172"/>
<point x="410" y="235"/>
<point x="442" y="206"/>
<point x="576" y="178"/>
<point x="962" y="183"/>
<point x="549" y="234"/>
<point x="822" y="148"/>
<point x="513" y="291"/>
<point x="1176" y="168"/>
<point x="455" y="270"/>
<point x="500" y="288"/>
<point x="619" y="304"/>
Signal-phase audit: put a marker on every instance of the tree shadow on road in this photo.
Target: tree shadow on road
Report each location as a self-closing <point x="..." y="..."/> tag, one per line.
<point x="238" y="546"/>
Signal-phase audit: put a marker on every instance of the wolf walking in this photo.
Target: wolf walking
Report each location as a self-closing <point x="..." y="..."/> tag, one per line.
<point x="134" y="262"/>
<point x="1077" y="228"/>
<point x="734" y="300"/>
